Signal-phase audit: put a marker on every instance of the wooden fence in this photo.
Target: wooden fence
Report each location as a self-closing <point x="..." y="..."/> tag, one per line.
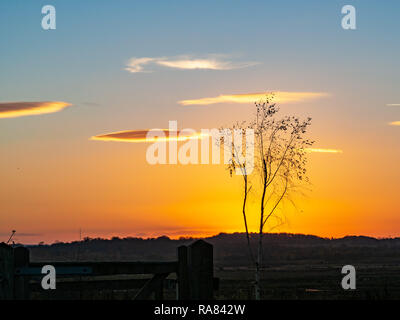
<point x="193" y="269"/>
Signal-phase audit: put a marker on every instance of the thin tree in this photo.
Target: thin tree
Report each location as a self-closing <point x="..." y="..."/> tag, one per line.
<point x="280" y="164"/>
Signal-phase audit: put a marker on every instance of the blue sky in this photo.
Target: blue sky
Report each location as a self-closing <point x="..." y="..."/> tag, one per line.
<point x="300" y="46"/>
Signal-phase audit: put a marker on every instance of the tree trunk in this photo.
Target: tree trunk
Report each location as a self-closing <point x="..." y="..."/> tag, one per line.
<point x="260" y="234"/>
<point x="257" y="285"/>
<point x="245" y="219"/>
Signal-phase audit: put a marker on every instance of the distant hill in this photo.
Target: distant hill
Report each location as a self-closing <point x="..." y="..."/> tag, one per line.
<point x="229" y="249"/>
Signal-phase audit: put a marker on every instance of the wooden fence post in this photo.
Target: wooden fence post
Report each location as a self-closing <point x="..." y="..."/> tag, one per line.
<point x="6" y="272"/>
<point x="183" y="274"/>
<point x="159" y="291"/>
<point x="21" y="282"/>
<point x="201" y="270"/>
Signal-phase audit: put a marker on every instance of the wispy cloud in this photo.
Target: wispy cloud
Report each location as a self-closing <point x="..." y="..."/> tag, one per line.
<point x="185" y="62"/>
<point x="137" y="64"/>
<point x="320" y="150"/>
<point x="393" y="104"/>
<point x="279" y="96"/>
<point x="394" y="123"/>
<point x="141" y="136"/>
<point x="19" y="109"/>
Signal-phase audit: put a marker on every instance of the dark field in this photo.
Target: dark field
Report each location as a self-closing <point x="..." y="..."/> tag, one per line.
<point x="295" y="266"/>
<point x="279" y="283"/>
<point x="312" y="282"/>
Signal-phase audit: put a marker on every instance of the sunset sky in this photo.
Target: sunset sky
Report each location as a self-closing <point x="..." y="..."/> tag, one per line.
<point x="129" y="66"/>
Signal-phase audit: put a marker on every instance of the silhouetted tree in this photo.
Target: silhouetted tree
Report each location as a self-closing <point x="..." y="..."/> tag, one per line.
<point x="280" y="159"/>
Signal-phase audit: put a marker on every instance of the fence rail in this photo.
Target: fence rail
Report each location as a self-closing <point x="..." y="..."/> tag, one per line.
<point x="193" y="269"/>
<point x="100" y="268"/>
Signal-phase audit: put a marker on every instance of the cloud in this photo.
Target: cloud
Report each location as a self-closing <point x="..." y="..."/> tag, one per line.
<point x="19" y="109"/>
<point x="394" y="123"/>
<point x="209" y="62"/>
<point x="141" y="136"/>
<point x="320" y="150"/>
<point x="393" y="104"/>
<point x="279" y="96"/>
<point x="136" y="64"/>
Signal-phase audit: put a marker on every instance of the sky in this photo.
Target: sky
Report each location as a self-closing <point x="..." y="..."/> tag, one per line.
<point x="112" y="66"/>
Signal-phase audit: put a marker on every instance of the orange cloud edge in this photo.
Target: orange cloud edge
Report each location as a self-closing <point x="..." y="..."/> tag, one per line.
<point x="322" y="150"/>
<point x="155" y="135"/>
<point x="20" y="109"/>
<point x="278" y="96"/>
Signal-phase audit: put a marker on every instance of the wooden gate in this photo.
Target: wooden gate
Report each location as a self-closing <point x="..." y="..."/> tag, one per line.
<point x="193" y="269"/>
